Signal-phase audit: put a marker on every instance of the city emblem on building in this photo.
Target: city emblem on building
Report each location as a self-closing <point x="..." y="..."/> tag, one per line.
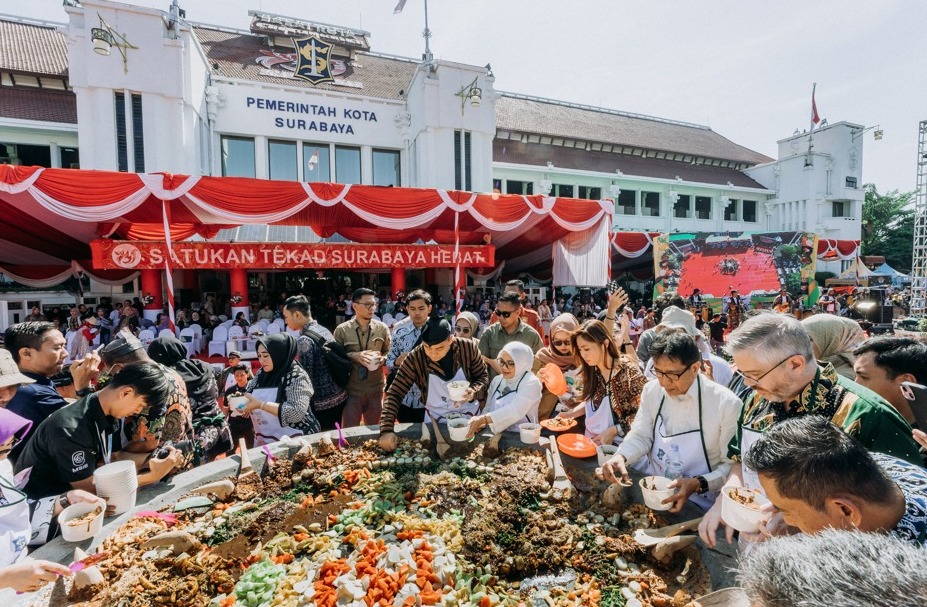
<point x="313" y="60"/>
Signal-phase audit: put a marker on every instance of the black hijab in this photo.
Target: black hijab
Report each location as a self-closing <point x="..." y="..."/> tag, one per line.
<point x="282" y="350"/>
<point x="200" y="379"/>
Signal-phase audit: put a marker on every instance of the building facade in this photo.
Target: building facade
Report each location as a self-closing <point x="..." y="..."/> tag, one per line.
<point x="126" y="88"/>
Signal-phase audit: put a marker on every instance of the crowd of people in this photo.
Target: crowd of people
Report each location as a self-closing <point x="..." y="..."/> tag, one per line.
<point x="813" y="414"/>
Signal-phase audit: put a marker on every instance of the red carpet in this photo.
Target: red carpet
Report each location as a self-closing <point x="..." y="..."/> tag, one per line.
<point x="700" y="271"/>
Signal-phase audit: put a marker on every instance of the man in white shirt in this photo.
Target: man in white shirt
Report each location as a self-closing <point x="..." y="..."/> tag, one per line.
<point x="685" y="409"/>
<point x="679" y="319"/>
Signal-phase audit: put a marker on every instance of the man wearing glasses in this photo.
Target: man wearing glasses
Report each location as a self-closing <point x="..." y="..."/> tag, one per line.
<point x="367" y="342"/>
<point x="530" y="317"/>
<point x="773" y="353"/>
<point x="686" y="409"/>
<point x="510" y="327"/>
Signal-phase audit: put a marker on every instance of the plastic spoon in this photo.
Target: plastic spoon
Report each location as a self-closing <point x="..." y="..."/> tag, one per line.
<point x="342" y="443"/>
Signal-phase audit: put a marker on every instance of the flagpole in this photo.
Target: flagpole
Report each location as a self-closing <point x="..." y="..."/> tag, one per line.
<point x="427" y="34"/>
<point x="808" y="161"/>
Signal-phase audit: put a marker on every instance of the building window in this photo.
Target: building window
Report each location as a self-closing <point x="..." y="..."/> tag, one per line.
<point x="138" y="135"/>
<point x="519" y="187"/>
<point x="683" y="207"/>
<point x="386" y="168"/>
<point x="562" y="190"/>
<point x="731" y="210"/>
<point x="749" y="210"/>
<point x="463" y="170"/>
<point x="590" y="193"/>
<point x="703" y="207"/>
<point x="650" y="204"/>
<point x="840" y="209"/>
<point x="237" y="157"/>
<point x="347" y="164"/>
<point x="316" y="162"/>
<point x="26" y="155"/>
<point x="626" y="203"/>
<point x="282" y="158"/>
<point x="122" y="142"/>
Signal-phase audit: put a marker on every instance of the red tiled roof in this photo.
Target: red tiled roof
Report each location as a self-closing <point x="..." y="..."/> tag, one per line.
<point x="235" y="53"/>
<point x="559" y="119"/>
<point x="38" y="104"/>
<point x="606" y="162"/>
<point x="34" y="49"/>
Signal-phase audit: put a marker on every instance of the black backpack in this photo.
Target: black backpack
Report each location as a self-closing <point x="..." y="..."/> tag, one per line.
<point x="336" y="358"/>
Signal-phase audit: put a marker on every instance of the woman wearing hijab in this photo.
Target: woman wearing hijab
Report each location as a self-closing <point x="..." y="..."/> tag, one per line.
<point x="513" y="395"/>
<point x="467" y="326"/>
<point x="833" y="339"/>
<point x="19" y="515"/>
<point x="279" y="397"/>
<point x="612" y="385"/>
<point x="210" y="428"/>
<point x="560" y="353"/>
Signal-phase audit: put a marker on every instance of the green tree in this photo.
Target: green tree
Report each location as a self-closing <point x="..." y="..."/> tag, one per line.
<point x="888" y="226"/>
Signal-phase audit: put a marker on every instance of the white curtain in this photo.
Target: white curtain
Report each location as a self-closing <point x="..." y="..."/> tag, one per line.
<point x="581" y="259"/>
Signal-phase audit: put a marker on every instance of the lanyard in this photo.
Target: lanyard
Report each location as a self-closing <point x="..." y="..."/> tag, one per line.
<point x="369" y="335"/>
<point x="106" y="444"/>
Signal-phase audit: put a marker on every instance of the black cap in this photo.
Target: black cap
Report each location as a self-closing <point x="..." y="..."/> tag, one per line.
<point x="436" y="331"/>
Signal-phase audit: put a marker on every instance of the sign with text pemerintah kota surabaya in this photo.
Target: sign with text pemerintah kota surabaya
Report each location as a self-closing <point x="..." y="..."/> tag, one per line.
<point x="143" y="255"/>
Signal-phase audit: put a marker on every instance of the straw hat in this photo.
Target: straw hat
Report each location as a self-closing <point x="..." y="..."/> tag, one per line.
<point x="9" y="372"/>
<point x="674" y="317"/>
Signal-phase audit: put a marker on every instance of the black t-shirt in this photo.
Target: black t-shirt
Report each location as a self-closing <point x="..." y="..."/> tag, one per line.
<point x="68" y="447"/>
<point x="717" y="327"/>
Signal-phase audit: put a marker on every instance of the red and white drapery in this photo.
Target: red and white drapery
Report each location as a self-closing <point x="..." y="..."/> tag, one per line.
<point x="52" y="214"/>
<point x="45" y="277"/>
<point x="837" y="250"/>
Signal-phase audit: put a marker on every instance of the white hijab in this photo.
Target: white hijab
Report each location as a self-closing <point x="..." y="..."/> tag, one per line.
<point x="523" y="357"/>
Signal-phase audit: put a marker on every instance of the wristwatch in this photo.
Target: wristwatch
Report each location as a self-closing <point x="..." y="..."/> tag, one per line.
<point x="84" y="391"/>
<point x="63" y="501"/>
<point x="702" y="484"/>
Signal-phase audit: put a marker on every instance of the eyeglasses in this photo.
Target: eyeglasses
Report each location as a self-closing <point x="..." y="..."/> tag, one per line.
<point x="506" y="364"/>
<point x="672" y="375"/>
<point x="499" y="312"/>
<point x="460" y="329"/>
<point x="771" y="369"/>
<point x="370" y="305"/>
<point x="557" y="343"/>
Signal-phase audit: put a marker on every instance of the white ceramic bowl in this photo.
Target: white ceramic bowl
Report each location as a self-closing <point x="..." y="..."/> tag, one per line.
<point x="457" y="389"/>
<point x="654" y="490"/>
<point x="743" y="518"/>
<point x="234" y="402"/>
<point x="605" y="453"/>
<point x="85" y="529"/>
<point x="116" y="469"/>
<point x="458" y="428"/>
<point x="529" y="433"/>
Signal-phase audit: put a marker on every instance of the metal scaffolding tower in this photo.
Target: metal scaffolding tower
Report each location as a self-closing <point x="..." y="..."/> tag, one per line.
<point x="919" y="269"/>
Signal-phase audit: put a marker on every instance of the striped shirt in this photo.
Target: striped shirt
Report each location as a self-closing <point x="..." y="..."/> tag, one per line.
<point x="417" y="367"/>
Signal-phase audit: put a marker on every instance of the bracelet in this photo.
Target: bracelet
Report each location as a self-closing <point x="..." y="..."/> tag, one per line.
<point x="611" y="318"/>
<point x="261" y="407"/>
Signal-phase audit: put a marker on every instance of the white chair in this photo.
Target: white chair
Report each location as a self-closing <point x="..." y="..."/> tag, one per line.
<point x="187" y="335"/>
<point x="220" y="335"/>
<point x="146" y="337"/>
<point x="294" y="332"/>
<point x="69" y="341"/>
<point x="166" y="333"/>
<point x="197" y="336"/>
<point x="279" y="323"/>
<point x="227" y="324"/>
<point x="223" y="317"/>
<point x="388" y="320"/>
<point x="399" y="316"/>
<point x="236" y="332"/>
<point x="255" y="329"/>
<point x="262" y="324"/>
<point x="273" y="328"/>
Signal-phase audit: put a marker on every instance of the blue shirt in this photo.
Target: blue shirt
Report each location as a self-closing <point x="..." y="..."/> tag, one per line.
<point x="35" y="402"/>
<point x="913" y="483"/>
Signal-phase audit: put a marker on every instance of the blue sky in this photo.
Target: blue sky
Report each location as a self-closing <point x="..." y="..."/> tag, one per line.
<point x="743" y="67"/>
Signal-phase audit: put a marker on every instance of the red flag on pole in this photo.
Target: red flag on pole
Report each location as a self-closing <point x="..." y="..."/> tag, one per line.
<point x="814" y="107"/>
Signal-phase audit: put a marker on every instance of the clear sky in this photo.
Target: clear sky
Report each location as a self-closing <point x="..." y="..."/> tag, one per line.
<point x="743" y="67"/>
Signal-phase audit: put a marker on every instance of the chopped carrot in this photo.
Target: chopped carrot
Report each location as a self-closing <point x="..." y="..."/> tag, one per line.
<point x="227" y="601"/>
<point x="485" y="602"/>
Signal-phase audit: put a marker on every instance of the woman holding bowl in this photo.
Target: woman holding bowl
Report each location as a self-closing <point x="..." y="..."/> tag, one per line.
<point x="280" y="395"/>
<point x="612" y="385"/>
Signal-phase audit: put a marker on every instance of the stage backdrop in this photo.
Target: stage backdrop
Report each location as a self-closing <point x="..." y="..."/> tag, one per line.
<point x="756" y="264"/>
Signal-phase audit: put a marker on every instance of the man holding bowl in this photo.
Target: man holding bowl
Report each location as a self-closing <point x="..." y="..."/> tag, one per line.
<point x="685" y="409"/>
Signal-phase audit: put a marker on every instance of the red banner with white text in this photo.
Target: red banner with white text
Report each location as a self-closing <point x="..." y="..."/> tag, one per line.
<point x="115" y="254"/>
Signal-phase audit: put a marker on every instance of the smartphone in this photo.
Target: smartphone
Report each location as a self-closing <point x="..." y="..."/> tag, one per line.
<point x="612" y="287"/>
<point x="916" y="395"/>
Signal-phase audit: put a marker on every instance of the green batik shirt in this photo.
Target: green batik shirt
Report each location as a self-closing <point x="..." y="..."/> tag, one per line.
<point x="862" y="413"/>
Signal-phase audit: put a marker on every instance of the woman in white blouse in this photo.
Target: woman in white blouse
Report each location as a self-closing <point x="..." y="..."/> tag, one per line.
<point x="513" y="396"/>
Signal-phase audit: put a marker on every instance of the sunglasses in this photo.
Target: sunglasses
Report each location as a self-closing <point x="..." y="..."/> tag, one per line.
<point x="460" y="329"/>
<point x="502" y="314"/>
<point x="557" y="343"/>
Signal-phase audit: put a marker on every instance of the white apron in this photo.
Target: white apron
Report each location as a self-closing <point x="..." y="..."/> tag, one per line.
<point x="601" y="419"/>
<point x="15" y="528"/>
<point x="692" y="452"/>
<point x="267" y="428"/>
<point x="498" y="401"/>
<point x="438" y="403"/>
